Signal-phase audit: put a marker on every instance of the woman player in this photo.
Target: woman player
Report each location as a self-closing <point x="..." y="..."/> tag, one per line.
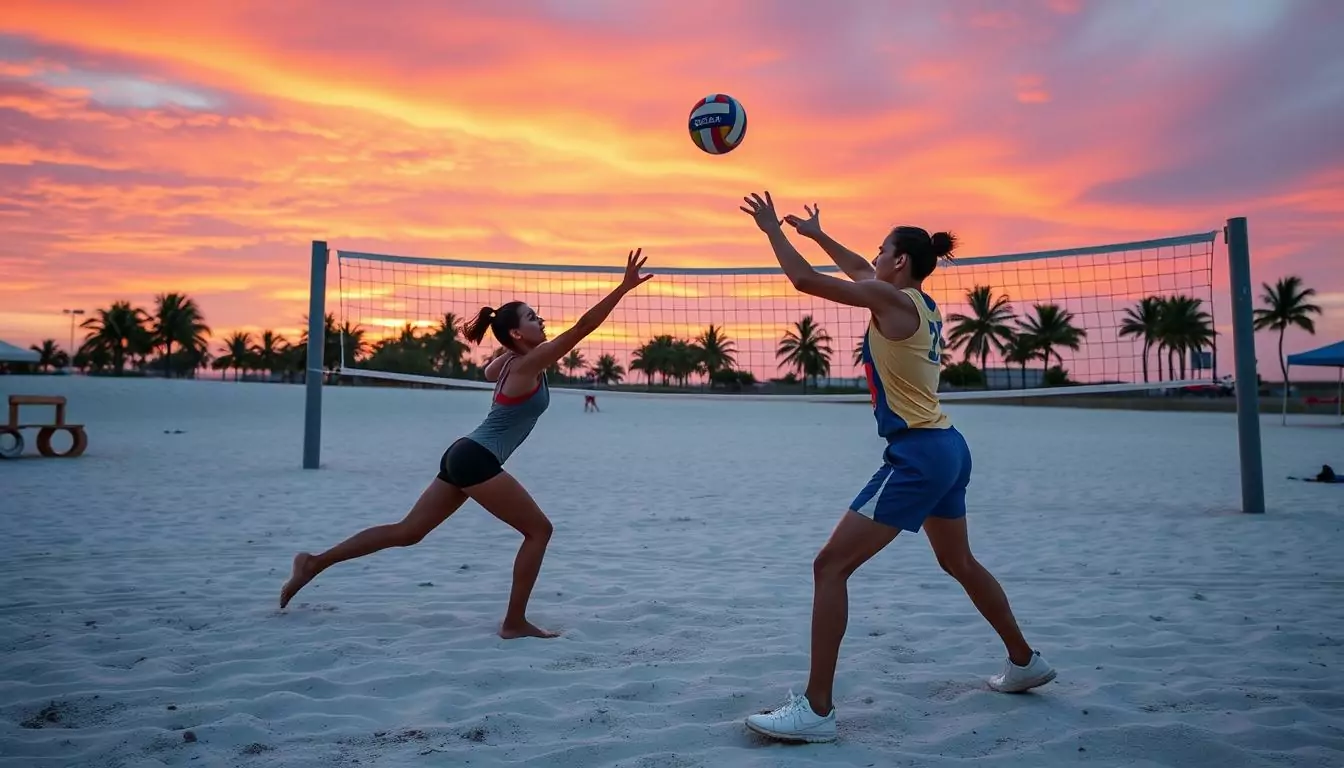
<point x="926" y="465"/>
<point x="472" y="467"/>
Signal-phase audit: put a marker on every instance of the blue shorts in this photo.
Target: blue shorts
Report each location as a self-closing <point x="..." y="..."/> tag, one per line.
<point x="924" y="472"/>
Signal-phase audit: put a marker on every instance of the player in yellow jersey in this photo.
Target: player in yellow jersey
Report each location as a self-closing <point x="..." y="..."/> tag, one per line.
<point x="926" y="465"/>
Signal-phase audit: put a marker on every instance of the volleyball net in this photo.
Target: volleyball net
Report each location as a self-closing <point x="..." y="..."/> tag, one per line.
<point x="1103" y="319"/>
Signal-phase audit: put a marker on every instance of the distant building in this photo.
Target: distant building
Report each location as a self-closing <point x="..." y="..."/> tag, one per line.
<point x="1013" y="377"/>
<point x="842" y="381"/>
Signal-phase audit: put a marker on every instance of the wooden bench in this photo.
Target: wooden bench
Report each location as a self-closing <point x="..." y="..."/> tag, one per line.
<point x="44" y="431"/>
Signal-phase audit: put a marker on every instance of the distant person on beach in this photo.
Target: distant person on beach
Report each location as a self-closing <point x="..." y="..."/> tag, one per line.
<point x="590" y="401"/>
<point x="925" y="468"/>
<point x="472" y="467"/>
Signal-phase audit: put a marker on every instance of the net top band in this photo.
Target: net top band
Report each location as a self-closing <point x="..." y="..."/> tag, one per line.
<point x="1095" y="250"/>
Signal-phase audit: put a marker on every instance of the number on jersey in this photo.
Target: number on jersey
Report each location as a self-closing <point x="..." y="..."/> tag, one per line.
<point x="935" y="341"/>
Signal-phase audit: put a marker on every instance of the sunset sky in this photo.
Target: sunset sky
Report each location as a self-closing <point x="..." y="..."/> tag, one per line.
<point x="198" y="147"/>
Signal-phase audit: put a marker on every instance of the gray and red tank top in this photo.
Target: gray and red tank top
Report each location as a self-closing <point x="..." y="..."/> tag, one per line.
<point x="510" y="419"/>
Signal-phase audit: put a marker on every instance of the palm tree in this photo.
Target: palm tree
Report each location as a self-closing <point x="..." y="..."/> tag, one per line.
<point x="355" y="345"/>
<point x="1051" y="328"/>
<point x="684" y="360"/>
<point x="1183" y="327"/>
<point x="353" y="335"/>
<point x="1021" y="349"/>
<point x="606" y="370"/>
<point x="858" y="353"/>
<point x="48" y="354"/>
<point x="1286" y="305"/>
<point x="644" y="360"/>
<point x="237" y="354"/>
<point x="117" y="332"/>
<point x="717" y="352"/>
<point x="655" y="356"/>
<point x="573" y="361"/>
<point x="1144" y="321"/>
<point x="447" y="347"/>
<point x="177" y="320"/>
<point x="806" y="348"/>
<point x="987" y="325"/>
<point x="268" y="354"/>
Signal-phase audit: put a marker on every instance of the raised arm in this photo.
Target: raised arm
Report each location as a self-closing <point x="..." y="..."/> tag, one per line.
<point x="849" y="262"/>
<point x="895" y="310"/>
<point x="548" y="353"/>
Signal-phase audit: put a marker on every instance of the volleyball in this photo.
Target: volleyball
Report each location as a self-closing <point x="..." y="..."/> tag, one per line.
<point x="718" y="124"/>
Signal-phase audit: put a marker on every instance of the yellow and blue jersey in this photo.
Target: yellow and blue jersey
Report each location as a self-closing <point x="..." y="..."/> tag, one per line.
<point x="903" y="375"/>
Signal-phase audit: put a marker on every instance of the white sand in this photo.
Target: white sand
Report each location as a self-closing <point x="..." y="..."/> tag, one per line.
<point x="139" y="588"/>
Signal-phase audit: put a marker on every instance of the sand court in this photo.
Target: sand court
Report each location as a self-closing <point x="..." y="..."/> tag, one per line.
<point x="139" y="627"/>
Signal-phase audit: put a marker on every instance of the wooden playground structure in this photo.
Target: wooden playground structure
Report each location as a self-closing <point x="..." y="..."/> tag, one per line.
<point x="12" y="430"/>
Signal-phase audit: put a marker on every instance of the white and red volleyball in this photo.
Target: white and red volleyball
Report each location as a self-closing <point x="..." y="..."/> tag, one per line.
<point x="718" y="124"/>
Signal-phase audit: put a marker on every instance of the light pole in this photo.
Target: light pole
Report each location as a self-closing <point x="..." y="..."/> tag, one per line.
<point x="72" y="313"/>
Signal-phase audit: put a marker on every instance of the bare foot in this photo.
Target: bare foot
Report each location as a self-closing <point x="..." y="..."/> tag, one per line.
<point x="515" y="630"/>
<point x="302" y="574"/>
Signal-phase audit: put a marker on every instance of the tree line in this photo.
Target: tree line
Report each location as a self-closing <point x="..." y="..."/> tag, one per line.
<point x="174" y="338"/>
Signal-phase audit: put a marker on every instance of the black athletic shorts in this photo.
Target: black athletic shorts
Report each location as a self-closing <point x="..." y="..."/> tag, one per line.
<point x="466" y="463"/>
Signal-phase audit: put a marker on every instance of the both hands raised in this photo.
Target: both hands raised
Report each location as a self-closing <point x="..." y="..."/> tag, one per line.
<point x="762" y="210"/>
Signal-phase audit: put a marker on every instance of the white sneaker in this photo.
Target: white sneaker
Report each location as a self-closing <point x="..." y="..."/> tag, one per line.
<point x="1015" y="679"/>
<point x="795" y="721"/>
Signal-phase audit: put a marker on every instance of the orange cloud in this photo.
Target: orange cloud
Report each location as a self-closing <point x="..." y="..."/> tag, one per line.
<point x="1031" y="90"/>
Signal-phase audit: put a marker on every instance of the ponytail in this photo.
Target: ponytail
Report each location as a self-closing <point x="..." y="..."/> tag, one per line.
<point x="474" y="330"/>
<point x="500" y="321"/>
<point x="943" y="244"/>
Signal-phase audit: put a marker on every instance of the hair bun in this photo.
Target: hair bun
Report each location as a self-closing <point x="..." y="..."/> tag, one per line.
<point x="943" y="244"/>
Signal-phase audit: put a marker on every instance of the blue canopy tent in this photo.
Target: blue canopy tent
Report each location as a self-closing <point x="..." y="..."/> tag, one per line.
<point x="1330" y="356"/>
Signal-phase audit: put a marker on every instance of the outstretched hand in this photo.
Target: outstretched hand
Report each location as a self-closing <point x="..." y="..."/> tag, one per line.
<point x="633" y="279"/>
<point x="763" y="211"/>
<point x="809" y="227"/>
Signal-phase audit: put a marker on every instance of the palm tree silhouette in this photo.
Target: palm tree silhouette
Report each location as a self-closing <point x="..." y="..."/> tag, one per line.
<point x="117" y="332"/>
<point x="237" y="354"/>
<point x="1183" y="327"/>
<point x="447" y="348"/>
<point x="269" y="353"/>
<point x="684" y="360"/>
<point x="48" y="355"/>
<point x="178" y="320"/>
<point x="573" y="361"/>
<point x="655" y="356"/>
<point x="645" y="360"/>
<point x="1144" y="321"/>
<point x="806" y="348"/>
<point x="1021" y="349"/>
<point x="717" y="351"/>
<point x="1050" y="328"/>
<point x="355" y="345"/>
<point x="987" y="325"/>
<point x="606" y="370"/>
<point x="1286" y="305"/>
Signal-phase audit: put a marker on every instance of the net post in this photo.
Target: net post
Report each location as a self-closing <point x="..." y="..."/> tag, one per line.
<point x="317" y="342"/>
<point x="1243" y="346"/>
